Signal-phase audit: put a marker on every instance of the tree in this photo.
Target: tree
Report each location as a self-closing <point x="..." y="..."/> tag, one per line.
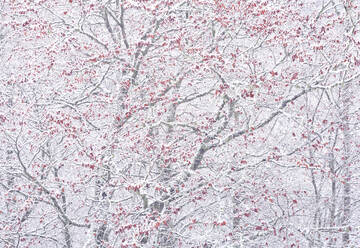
<point x="179" y="123"/>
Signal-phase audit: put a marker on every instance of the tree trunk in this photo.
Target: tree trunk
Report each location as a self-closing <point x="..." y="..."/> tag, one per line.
<point x="346" y="164"/>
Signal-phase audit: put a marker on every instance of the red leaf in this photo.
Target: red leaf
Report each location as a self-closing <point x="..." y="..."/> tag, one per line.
<point x="294" y="76"/>
<point x="273" y="73"/>
<point x="357" y="62"/>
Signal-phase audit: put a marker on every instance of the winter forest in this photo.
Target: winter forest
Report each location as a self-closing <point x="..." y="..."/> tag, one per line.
<point x="179" y="123"/>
